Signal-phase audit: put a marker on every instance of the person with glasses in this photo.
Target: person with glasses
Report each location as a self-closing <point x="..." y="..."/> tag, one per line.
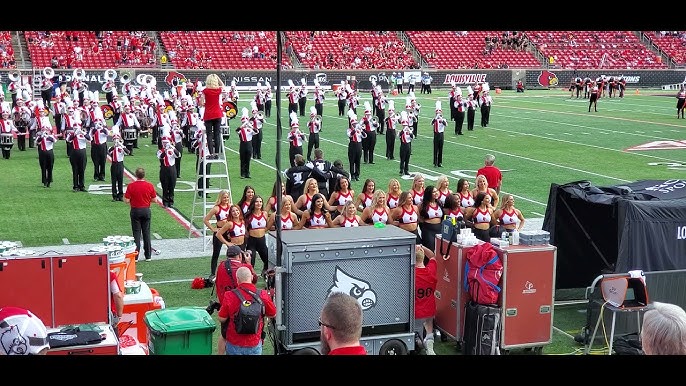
<point x="340" y="324"/>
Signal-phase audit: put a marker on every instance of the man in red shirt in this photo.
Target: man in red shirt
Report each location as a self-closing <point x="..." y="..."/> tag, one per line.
<point x="226" y="280"/>
<point x="425" y="281"/>
<point x="493" y="175"/>
<point x="244" y="344"/>
<point x="139" y="194"/>
<point x="340" y="326"/>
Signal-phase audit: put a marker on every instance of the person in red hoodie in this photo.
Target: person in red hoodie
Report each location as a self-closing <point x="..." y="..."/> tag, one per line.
<point x="425" y="281"/>
<point x="340" y="324"/>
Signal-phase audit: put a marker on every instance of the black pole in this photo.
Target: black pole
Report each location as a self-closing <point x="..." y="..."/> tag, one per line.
<point x="277" y="204"/>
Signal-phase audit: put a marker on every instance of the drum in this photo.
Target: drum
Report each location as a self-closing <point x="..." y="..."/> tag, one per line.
<point x="130" y="134"/>
<point x="6" y="139"/>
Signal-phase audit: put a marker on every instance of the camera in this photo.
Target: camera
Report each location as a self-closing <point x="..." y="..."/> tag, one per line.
<point x="213" y="306"/>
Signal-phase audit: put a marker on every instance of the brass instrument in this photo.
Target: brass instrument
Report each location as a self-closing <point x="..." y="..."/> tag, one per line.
<point x="79" y="74"/>
<point x="317" y="119"/>
<point x="259" y="115"/>
<point x="109" y="76"/>
<point x="375" y="120"/>
<point x="14" y="75"/>
<point x="125" y="78"/>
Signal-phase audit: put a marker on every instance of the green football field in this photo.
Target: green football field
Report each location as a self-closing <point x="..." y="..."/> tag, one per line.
<point x="538" y="138"/>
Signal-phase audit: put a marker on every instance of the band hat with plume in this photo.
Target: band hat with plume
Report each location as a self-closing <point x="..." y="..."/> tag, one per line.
<point x="352" y="116"/>
<point x="253" y="106"/>
<point x="294" y="120"/>
<point x="367" y="108"/>
<point x="391" y="105"/>
<point x="438" y="107"/>
<point x="313" y="111"/>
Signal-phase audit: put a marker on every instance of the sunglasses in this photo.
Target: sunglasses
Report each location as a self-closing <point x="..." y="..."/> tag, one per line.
<point x="325" y="325"/>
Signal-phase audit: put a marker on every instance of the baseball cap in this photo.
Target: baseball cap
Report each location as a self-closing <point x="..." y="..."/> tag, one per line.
<point x="233" y="250"/>
<point x="21" y="332"/>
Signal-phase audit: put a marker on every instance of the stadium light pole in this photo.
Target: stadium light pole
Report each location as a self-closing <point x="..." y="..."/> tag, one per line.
<point x="277" y="161"/>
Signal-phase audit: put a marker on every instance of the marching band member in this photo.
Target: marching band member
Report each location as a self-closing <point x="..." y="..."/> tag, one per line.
<point x="416" y="108"/>
<point x="342" y="95"/>
<point x="315" y="126"/>
<point x="318" y="99"/>
<point x="14" y="87"/>
<point x="356" y="133"/>
<point x="116" y="106"/>
<point x="199" y="146"/>
<point x="353" y="99"/>
<point x="451" y="102"/>
<point x="98" y="136"/>
<point x="486" y="102"/>
<point x="374" y="92"/>
<point x="267" y="99"/>
<point x="45" y="141"/>
<point x="78" y="139"/>
<point x="460" y="110"/>
<point x="233" y="92"/>
<point x="302" y="96"/>
<point x="406" y="135"/>
<point x="381" y="102"/>
<point x="370" y="128"/>
<point x="69" y="121"/>
<point x="21" y="116"/>
<point x="476" y="90"/>
<point x="439" y="123"/>
<point x="117" y="152"/>
<point x="177" y="139"/>
<point x="46" y="88"/>
<point x="189" y="119"/>
<point x="391" y="122"/>
<point x="245" y="134"/>
<point x="128" y="126"/>
<point x="259" y="97"/>
<point x="167" y="157"/>
<point x="295" y="139"/>
<point x="257" y="123"/>
<point x="7" y="131"/>
<point x="292" y="98"/>
<point x="471" y="112"/>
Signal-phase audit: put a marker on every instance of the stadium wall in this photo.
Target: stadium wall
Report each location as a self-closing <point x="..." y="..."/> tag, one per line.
<point x="505" y="79"/>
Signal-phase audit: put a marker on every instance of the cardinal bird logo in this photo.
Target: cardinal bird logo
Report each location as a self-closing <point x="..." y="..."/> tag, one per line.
<point x="174" y="78"/>
<point x="547" y="79"/>
<point x="357" y="288"/>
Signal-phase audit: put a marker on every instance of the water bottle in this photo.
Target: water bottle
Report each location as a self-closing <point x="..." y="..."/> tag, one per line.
<point x="515" y="237"/>
<point x="504" y="236"/>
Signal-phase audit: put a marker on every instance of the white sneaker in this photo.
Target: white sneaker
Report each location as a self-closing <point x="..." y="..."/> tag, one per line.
<point x="429" y="344"/>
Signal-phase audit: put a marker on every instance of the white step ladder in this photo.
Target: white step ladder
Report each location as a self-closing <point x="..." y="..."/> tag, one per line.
<point x="204" y="197"/>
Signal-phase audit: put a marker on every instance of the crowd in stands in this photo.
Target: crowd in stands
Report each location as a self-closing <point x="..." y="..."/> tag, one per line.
<point x="6" y="50"/>
<point x="91" y="49"/>
<point x="333" y="50"/>
<point x="359" y="50"/>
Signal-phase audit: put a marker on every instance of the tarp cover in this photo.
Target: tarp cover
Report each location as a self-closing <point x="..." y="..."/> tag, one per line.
<point x="641" y="225"/>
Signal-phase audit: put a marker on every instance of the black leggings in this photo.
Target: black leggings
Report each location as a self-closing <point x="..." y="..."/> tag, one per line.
<point x="216" y="250"/>
<point x="258" y="244"/>
<point x="429" y="232"/>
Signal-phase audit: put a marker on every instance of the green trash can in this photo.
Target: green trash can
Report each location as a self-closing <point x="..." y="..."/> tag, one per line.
<point x="180" y="331"/>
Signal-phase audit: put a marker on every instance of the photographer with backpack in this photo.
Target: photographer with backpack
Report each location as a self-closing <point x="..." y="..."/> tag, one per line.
<point x="226" y="280"/>
<point x="243" y="310"/>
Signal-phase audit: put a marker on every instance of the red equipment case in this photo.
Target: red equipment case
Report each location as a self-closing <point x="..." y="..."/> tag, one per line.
<point x="527" y="297"/>
<point x="450" y="295"/>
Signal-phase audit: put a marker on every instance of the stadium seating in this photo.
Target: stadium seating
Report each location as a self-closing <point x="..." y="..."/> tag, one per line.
<point x="60" y="44"/>
<point x="350" y="49"/>
<point x="594" y="50"/>
<point x="673" y="43"/>
<point x="221" y="49"/>
<point x="462" y="49"/>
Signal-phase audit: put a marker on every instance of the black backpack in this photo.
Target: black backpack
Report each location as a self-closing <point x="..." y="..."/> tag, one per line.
<point x="247" y="319"/>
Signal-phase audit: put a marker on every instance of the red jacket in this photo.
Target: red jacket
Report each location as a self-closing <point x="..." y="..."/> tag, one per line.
<point x="230" y="305"/>
<point x="224" y="282"/>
